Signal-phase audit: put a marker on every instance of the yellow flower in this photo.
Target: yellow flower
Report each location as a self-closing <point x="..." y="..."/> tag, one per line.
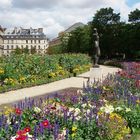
<point x="59" y="68"/>
<point x="74" y="128"/>
<point x="52" y="74"/>
<point x="106" y="88"/>
<point x="75" y="70"/>
<point x="22" y="79"/>
<point x="1" y="71"/>
<point x="8" y="110"/>
<point x="138" y="101"/>
<point x="73" y="135"/>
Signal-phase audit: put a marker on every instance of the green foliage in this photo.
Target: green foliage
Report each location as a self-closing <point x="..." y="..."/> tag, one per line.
<point x="33" y="50"/>
<point x="113" y="63"/>
<point x="106" y="16"/>
<point x="116" y="38"/>
<point x="57" y="49"/>
<point x="134" y="16"/>
<point x="23" y="70"/>
<point x="133" y="119"/>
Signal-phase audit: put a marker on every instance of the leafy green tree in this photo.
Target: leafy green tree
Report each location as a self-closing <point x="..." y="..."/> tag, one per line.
<point x="17" y="51"/>
<point x="25" y="50"/>
<point x="106" y="22"/>
<point x="134" y="16"/>
<point x="106" y="16"/>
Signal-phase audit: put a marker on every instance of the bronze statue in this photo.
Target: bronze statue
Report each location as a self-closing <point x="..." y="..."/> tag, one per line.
<point x="97" y="48"/>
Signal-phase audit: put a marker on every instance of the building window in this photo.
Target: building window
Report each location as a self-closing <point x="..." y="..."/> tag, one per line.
<point x="31" y="41"/>
<point x="39" y="41"/>
<point x="39" y="47"/>
<point x="26" y="41"/>
<point x="12" y="47"/>
<point x="21" y="46"/>
<point x="16" y="46"/>
<point x="35" y="47"/>
<point x="26" y="46"/>
<point x="35" y="41"/>
<point x="7" y="47"/>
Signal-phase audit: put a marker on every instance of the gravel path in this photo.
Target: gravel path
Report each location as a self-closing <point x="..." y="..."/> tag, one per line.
<point x="73" y="82"/>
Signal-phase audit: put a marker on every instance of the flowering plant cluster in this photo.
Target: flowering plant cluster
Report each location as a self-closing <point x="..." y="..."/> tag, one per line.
<point x="28" y="70"/>
<point x="101" y="111"/>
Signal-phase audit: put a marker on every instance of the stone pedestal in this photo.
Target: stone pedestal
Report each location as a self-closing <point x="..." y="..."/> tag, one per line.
<point x="95" y="74"/>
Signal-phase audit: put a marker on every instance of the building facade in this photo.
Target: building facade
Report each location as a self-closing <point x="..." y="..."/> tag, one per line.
<point x="24" y="38"/>
<point x="1" y="40"/>
<point x="57" y="40"/>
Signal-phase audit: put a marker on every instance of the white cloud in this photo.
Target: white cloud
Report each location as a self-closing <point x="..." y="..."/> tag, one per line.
<point x="137" y="5"/>
<point x="55" y="15"/>
<point x="5" y="4"/>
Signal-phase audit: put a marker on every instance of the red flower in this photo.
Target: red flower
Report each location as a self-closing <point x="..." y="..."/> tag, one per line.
<point x="21" y="138"/>
<point x="45" y="123"/>
<point x="18" y="111"/>
<point x="137" y="83"/>
<point x="21" y="133"/>
<point x="27" y="129"/>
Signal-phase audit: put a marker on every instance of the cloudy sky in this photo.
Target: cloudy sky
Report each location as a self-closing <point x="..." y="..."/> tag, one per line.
<point x="57" y="15"/>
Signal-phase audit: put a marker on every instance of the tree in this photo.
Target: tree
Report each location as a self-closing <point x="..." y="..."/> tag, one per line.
<point x="33" y="50"/>
<point x="106" y="22"/>
<point x="134" y="16"/>
<point x="106" y="16"/>
<point x="26" y="50"/>
<point x="17" y="51"/>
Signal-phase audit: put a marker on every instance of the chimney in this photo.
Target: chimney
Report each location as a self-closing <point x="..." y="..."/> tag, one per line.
<point x="15" y="30"/>
<point x="40" y="30"/>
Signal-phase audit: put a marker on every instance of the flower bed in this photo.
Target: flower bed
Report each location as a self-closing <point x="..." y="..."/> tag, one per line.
<point x="101" y="111"/>
<point x="29" y="70"/>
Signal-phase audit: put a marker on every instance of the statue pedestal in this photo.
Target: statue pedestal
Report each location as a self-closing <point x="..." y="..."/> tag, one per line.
<point x="95" y="74"/>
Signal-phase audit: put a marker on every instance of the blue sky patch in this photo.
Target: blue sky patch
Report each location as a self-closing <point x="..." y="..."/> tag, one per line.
<point x="130" y="3"/>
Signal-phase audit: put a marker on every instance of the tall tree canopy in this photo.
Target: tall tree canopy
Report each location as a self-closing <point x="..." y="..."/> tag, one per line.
<point x="106" y="16"/>
<point x="134" y="16"/>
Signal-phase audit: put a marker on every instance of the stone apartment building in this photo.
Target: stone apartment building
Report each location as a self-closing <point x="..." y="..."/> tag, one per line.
<point x="1" y="40"/>
<point x="24" y="38"/>
<point x="57" y="40"/>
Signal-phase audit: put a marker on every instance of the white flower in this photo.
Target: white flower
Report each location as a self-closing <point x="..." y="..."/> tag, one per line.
<point x="13" y="138"/>
<point x="37" y="109"/>
<point x="78" y="118"/>
<point x="118" y="108"/>
<point x="84" y="105"/>
<point x="88" y="111"/>
<point x="80" y="91"/>
<point x="127" y="109"/>
<point x="77" y="111"/>
<point x="71" y="109"/>
<point x="107" y="109"/>
<point x="8" y="121"/>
